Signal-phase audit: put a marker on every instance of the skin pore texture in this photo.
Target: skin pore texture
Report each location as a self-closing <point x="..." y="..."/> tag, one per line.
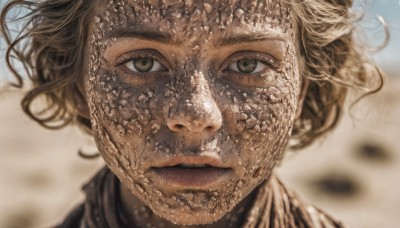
<point x="201" y="82"/>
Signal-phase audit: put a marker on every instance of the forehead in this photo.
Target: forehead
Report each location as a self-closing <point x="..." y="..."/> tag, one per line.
<point x="190" y="18"/>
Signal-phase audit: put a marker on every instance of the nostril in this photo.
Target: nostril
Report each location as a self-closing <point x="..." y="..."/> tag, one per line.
<point x="210" y="128"/>
<point x="179" y="126"/>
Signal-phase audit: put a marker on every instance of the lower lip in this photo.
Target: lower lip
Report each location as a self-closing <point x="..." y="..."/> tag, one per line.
<point x="191" y="177"/>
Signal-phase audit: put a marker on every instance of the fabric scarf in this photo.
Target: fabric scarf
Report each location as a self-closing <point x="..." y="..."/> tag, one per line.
<point x="274" y="207"/>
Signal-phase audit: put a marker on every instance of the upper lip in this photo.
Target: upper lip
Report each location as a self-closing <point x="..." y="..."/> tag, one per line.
<point x="194" y="160"/>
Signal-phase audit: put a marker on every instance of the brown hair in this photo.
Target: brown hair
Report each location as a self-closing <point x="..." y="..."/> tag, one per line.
<point x="51" y="47"/>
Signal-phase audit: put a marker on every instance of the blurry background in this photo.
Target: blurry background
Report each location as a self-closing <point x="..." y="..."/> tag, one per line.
<point x="353" y="173"/>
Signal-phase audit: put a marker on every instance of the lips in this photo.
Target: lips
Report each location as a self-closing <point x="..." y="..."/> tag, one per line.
<point x="191" y="171"/>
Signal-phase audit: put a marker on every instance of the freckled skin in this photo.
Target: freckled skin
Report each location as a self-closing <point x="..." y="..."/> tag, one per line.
<point x="245" y="121"/>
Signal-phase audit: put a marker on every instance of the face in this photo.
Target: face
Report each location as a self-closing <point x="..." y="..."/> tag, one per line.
<point x="192" y="104"/>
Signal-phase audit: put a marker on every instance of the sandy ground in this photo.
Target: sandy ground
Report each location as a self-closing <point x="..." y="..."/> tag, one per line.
<point x="353" y="174"/>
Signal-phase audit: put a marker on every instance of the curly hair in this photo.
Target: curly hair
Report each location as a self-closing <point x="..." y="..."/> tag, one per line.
<point x="51" y="45"/>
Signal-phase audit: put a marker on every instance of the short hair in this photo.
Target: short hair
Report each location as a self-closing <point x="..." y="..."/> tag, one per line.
<point x="52" y="42"/>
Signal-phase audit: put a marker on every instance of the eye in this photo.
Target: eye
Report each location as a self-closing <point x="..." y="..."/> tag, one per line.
<point x="144" y="65"/>
<point x="247" y="66"/>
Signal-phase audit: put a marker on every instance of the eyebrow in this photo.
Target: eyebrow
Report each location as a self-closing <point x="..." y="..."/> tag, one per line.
<point x="144" y="35"/>
<point x="167" y="38"/>
<point x="248" y="38"/>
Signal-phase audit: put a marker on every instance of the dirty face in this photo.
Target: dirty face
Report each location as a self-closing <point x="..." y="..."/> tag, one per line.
<point x="192" y="102"/>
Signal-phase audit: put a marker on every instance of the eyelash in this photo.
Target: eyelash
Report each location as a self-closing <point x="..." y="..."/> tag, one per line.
<point x="263" y="58"/>
<point x="249" y="78"/>
<point x="241" y="78"/>
<point x="140" y="76"/>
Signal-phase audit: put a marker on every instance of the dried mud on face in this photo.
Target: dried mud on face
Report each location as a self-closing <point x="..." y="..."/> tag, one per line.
<point x="248" y="125"/>
<point x="353" y="174"/>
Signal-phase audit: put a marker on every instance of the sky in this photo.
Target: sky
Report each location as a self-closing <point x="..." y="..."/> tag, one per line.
<point x="388" y="58"/>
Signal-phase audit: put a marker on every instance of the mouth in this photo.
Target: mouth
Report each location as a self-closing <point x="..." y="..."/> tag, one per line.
<point x="192" y="172"/>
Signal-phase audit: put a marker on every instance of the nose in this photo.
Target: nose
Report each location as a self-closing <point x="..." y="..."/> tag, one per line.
<point x="196" y="116"/>
<point x="196" y="111"/>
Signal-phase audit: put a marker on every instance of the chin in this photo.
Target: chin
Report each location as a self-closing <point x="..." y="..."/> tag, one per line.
<point x="185" y="217"/>
<point x="192" y="207"/>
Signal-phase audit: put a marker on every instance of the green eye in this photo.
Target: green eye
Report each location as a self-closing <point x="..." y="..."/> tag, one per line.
<point x="247" y="66"/>
<point x="144" y="65"/>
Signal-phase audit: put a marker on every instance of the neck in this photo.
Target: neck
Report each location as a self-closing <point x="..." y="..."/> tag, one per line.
<point x="137" y="214"/>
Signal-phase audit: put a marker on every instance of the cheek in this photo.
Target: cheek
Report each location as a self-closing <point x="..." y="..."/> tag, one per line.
<point x="260" y="119"/>
<point x="112" y="104"/>
<point x="118" y="112"/>
<point x="129" y="111"/>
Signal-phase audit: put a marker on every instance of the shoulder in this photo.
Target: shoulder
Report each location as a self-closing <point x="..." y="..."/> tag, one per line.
<point x="74" y="218"/>
<point x="99" y="208"/>
<point x="277" y="206"/>
<point x="319" y="218"/>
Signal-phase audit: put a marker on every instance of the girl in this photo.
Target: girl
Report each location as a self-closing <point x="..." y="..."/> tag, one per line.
<point x="191" y="103"/>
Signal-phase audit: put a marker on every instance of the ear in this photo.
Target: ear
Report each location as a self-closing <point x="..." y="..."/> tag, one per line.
<point x="304" y="88"/>
<point x="82" y="106"/>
